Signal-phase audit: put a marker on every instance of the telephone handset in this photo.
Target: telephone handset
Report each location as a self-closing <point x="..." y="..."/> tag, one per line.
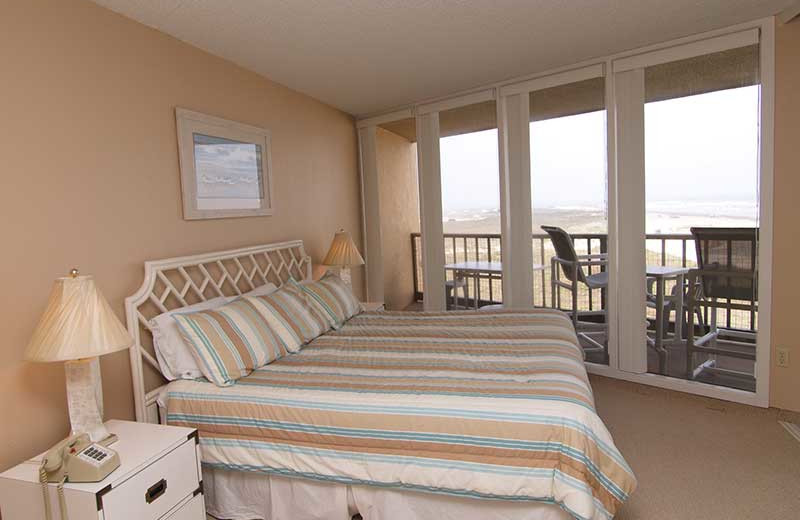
<point x="75" y="459"/>
<point x="79" y="460"/>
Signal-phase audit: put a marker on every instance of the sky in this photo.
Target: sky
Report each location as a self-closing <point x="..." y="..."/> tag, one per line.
<point x="702" y="149"/>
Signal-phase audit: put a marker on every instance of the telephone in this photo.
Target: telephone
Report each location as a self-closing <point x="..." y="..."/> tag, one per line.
<point x="75" y="459"/>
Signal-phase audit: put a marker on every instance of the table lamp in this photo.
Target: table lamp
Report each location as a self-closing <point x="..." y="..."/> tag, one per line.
<point x="78" y="326"/>
<point x="343" y="254"/>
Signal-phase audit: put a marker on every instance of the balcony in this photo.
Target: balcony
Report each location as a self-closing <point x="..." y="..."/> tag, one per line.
<point x="662" y="249"/>
<point x="462" y="247"/>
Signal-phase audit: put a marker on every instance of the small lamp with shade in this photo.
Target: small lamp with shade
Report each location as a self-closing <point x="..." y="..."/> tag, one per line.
<point x="77" y="327"/>
<point x="343" y="254"/>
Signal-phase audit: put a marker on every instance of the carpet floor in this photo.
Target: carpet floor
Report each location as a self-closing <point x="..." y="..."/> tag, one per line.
<point x="700" y="458"/>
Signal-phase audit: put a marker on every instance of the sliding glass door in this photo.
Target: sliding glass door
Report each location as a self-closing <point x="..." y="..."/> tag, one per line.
<point x="567" y="150"/>
<point x="702" y="215"/>
<point x="468" y="151"/>
<point x="689" y="121"/>
<point x="570" y="212"/>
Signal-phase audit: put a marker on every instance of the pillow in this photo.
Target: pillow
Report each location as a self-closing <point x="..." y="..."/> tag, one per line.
<point x="173" y="354"/>
<point x="230" y="341"/>
<point x="334" y="297"/>
<point x="262" y="290"/>
<point x="291" y="316"/>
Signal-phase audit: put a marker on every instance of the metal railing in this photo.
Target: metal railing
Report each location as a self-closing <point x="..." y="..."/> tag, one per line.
<point x="661" y="249"/>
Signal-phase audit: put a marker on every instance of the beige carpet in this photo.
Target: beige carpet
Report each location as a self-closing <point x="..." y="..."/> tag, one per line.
<point x="699" y="458"/>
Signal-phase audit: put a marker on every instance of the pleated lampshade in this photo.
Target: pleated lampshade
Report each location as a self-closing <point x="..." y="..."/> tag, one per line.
<point x="77" y="323"/>
<point x="343" y="251"/>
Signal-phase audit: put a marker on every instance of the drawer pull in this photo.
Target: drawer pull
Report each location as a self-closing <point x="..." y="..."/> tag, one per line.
<point x="155" y="491"/>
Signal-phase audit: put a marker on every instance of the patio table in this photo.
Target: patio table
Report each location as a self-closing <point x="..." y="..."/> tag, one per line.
<point x="476" y="269"/>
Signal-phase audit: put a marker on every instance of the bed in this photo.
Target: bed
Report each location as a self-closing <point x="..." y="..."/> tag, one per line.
<point x="395" y="415"/>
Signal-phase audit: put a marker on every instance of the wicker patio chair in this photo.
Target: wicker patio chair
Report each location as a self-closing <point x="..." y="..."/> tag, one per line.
<point x="726" y="278"/>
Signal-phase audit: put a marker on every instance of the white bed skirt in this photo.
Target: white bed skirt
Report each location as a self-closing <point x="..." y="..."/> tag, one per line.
<point x="240" y="495"/>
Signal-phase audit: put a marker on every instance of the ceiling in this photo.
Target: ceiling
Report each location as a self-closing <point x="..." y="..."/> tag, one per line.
<point x="364" y="56"/>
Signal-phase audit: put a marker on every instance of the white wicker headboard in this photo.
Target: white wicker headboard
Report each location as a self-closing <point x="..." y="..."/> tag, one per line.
<point x="177" y="282"/>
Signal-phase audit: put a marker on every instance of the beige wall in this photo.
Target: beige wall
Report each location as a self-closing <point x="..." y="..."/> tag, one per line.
<point x="785" y="382"/>
<point x="399" y="202"/>
<point x="90" y="179"/>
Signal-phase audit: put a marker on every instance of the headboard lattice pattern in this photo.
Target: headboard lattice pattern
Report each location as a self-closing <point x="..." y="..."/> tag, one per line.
<point x="178" y="282"/>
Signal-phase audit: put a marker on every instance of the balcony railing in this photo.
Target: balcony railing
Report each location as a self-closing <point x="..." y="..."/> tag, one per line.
<point x="662" y="249"/>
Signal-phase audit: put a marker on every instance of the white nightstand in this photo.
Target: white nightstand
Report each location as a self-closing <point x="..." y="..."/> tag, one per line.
<point x="373" y="306"/>
<point x="159" y="478"/>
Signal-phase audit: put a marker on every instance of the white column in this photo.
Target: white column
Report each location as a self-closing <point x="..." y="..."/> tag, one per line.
<point x="371" y="209"/>
<point x="515" y="200"/>
<point x="612" y="211"/>
<point x="766" y="190"/>
<point x="628" y="261"/>
<point x="430" y="209"/>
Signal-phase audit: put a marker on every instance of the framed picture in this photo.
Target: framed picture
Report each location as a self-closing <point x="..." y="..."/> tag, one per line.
<point x="226" y="167"/>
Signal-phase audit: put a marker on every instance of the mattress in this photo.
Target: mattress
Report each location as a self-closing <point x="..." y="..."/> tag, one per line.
<point x="490" y="405"/>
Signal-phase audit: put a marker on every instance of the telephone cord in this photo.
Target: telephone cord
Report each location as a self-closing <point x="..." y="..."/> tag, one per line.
<point x="62" y="502"/>
<point x="45" y="493"/>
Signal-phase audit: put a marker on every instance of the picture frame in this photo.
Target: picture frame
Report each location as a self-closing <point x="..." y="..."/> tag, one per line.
<point x="226" y="167"/>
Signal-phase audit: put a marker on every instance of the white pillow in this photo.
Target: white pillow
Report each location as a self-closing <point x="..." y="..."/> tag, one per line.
<point x="262" y="290"/>
<point x="174" y="356"/>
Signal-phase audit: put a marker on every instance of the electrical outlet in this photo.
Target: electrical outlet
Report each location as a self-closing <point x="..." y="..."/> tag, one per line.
<point x="783" y="357"/>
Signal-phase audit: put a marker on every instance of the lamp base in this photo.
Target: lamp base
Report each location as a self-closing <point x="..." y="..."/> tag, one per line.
<point x="344" y="274"/>
<point x="85" y="398"/>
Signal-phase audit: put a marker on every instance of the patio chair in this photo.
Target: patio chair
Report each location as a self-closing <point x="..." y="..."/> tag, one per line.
<point x="670" y="306"/>
<point x="726" y="278"/>
<point x="669" y="301"/>
<point x="571" y="264"/>
<point x="452" y="287"/>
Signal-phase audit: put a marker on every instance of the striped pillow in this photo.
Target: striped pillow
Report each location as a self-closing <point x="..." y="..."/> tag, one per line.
<point x="334" y="297"/>
<point x="291" y="316"/>
<point x="230" y="341"/>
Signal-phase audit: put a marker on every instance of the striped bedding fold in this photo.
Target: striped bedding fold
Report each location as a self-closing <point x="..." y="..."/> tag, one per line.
<point x="491" y="405"/>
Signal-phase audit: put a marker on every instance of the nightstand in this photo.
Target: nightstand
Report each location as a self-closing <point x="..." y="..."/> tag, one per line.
<point x="373" y="306"/>
<point x="159" y="478"/>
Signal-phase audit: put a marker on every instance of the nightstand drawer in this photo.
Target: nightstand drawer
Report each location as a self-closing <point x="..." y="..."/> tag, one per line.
<point x="156" y="489"/>
<point x="193" y="509"/>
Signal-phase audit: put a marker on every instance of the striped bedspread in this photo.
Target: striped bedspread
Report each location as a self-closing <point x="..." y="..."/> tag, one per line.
<point x="493" y="405"/>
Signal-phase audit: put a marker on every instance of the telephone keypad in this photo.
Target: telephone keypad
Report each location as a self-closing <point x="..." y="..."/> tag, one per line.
<point x="94" y="454"/>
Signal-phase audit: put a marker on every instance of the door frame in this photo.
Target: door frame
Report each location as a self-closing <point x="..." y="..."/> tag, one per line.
<point x="630" y="352"/>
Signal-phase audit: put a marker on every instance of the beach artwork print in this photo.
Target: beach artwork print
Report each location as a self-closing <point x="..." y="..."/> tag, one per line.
<point x="229" y="173"/>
